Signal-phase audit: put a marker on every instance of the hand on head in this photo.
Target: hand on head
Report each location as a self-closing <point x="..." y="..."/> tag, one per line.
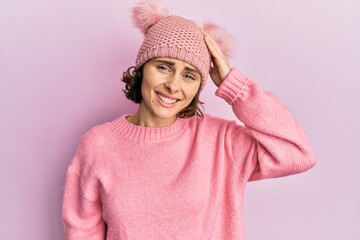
<point x="220" y="66"/>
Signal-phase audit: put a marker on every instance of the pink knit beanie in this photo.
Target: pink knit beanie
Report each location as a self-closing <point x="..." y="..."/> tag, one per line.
<point x="175" y="37"/>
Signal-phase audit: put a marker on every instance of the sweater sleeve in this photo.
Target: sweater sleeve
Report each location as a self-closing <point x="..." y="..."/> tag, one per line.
<point x="271" y="144"/>
<point x="82" y="211"/>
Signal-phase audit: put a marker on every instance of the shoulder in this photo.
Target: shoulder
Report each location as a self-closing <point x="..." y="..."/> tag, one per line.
<point x="90" y="146"/>
<point x="211" y="122"/>
<point x="95" y="133"/>
<point x="95" y="137"/>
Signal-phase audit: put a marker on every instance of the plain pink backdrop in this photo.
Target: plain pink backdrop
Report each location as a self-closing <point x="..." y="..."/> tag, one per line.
<point x="60" y="65"/>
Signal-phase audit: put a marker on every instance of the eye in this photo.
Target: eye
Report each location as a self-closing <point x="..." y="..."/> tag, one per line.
<point x="164" y="68"/>
<point x="189" y="76"/>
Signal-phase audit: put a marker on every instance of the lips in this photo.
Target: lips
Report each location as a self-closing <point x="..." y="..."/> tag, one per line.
<point x="166" y="100"/>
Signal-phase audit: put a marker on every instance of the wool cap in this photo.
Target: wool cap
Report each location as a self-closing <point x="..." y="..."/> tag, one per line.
<point x="176" y="37"/>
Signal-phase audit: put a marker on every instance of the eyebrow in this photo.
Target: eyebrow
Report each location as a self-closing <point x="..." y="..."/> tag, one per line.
<point x="172" y="64"/>
<point x="191" y="70"/>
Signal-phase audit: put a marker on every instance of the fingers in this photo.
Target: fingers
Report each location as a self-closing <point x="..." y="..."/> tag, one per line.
<point x="219" y="67"/>
<point x="213" y="47"/>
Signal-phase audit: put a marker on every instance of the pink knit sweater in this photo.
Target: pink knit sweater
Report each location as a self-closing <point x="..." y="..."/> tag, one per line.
<point x="185" y="181"/>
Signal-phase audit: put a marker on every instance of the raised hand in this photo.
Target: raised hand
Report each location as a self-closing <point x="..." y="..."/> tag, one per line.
<point x="220" y="66"/>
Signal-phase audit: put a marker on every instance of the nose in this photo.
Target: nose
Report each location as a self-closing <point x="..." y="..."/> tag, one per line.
<point x="172" y="84"/>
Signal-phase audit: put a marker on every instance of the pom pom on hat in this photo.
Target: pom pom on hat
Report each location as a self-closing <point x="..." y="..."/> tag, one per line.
<point x="225" y="41"/>
<point x="146" y="13"/>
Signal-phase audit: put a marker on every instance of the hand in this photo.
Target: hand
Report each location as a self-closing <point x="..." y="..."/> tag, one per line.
<point x="220" y="67"/>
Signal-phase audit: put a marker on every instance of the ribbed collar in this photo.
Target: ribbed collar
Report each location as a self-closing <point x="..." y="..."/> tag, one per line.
<point x="147" y="134"/>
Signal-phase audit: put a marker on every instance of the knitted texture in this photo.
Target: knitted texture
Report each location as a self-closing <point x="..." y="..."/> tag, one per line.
<point x="185" y="181"/>
<point x="176" y="37"/>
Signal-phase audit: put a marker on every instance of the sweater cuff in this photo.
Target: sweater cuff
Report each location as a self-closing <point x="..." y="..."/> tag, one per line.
<point x="233" y="85"/>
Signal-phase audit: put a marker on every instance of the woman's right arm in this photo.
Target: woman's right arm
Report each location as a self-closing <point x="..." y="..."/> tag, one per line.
<point x="82" y="210"/>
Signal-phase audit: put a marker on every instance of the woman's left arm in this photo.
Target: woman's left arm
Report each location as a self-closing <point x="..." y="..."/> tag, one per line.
<point x="279" y="146"/>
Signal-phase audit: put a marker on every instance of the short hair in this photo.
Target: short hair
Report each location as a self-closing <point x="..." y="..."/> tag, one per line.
<point x="133" y="77"/>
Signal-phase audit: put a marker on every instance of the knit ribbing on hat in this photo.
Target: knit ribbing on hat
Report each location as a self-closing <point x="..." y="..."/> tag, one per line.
<point x="176" y="37"/>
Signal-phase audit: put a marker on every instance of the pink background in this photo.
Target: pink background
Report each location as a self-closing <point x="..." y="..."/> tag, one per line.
<point x="60" y="65"/>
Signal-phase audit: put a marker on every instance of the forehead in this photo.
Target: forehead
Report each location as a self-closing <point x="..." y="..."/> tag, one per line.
<point x="174" y="61"/>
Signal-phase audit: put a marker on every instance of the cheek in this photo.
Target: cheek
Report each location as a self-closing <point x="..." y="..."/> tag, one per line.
<point x="190" y="96"/>
<point x="145" y="92"/>
<point x="193" y="91"/>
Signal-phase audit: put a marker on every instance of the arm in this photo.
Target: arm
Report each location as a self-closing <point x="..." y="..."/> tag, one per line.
<point x="272" y="143"/>
<point x="82" y="216"/>
<point x="275" y="143"/>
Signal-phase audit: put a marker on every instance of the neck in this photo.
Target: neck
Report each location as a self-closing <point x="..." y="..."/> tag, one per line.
<point x="134" y="132"/>
<point x="144" y="119"/>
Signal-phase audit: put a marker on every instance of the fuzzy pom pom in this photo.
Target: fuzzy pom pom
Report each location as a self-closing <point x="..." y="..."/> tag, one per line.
<point x="225" y="41"/>
<point x="147" y="13"/>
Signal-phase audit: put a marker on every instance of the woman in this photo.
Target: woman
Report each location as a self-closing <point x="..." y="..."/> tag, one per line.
<point x="168" y="171"/>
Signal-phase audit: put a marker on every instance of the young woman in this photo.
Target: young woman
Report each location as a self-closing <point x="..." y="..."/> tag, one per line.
<point x="168" y="171"/>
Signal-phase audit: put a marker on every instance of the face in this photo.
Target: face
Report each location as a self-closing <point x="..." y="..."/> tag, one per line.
<point x="169" y="85"/>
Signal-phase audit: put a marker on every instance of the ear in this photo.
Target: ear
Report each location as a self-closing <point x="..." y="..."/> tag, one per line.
<point x="147" y="13"/>
<point x="225" y="41"/>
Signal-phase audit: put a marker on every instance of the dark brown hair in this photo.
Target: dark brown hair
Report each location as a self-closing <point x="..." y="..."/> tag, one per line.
<point x="133" y="76"/>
